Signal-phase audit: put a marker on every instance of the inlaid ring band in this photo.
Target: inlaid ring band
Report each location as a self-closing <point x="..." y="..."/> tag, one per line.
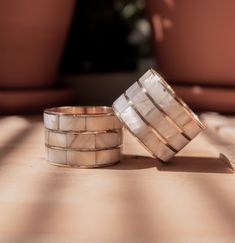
<point x="83" y="159"/>
<point x="81" y="119"/>
<point x="84" y="141"/>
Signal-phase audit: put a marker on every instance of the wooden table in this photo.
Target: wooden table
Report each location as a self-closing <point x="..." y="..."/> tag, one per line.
<point x="139" y="200"/>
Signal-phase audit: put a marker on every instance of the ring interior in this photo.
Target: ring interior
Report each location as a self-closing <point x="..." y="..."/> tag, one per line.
<point x="81" y="110"/>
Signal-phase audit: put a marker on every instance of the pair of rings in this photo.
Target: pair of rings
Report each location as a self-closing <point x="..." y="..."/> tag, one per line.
<point x="92" y="136"/>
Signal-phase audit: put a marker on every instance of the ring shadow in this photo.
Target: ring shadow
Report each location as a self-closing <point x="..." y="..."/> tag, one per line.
<point x="176" y="164"/>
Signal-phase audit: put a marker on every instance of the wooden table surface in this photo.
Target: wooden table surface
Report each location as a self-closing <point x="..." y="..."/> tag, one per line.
<point x="139" y="200"/>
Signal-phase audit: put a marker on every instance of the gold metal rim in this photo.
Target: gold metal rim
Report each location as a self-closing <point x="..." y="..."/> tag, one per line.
<point x="84" y="150"/>
<point x="80" y="111"/>
<point x="82" y="132"/>
<point x="163" y="112"/>
<point x="179" y="100"/>
<point x="82" y="166"/>
<point x="154" y="131"/>
<point x="140" y="141"/>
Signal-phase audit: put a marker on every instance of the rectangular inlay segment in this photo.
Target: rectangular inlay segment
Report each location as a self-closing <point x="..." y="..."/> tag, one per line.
<point x="78" y="158"/>
<point x="81" y="141"/>
<point x="70" y="123"/>
<point x="51" y="121"/>
<point x="99" y="123"/>
<point x="56" y="156"/>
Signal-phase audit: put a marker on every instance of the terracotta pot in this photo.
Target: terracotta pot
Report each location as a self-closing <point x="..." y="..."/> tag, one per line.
<point x="33" y="101"/>
<point x="33" y="35"/>
<point x="194" y="41"/>
<point x="201" y="98"/>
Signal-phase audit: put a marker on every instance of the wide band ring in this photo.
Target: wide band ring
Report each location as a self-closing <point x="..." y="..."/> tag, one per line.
<point x="87" y="137"/>
<point x="154" y="114"/>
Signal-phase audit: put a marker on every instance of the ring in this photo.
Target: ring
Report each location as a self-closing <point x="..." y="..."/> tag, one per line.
<point x="87" y="137"/>
<point x="156" y="116"/>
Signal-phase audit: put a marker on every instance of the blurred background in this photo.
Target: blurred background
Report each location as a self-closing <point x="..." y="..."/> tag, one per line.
<point x="87" y="52"/>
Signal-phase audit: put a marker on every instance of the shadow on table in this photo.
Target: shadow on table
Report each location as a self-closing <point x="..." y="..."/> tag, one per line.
<point x="197" y="164"/>
<point x="176" y="164"/>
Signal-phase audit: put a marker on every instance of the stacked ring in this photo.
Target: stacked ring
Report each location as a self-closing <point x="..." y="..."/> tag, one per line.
<point x="82" y="136"/>
<point x="156" y="116"/>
